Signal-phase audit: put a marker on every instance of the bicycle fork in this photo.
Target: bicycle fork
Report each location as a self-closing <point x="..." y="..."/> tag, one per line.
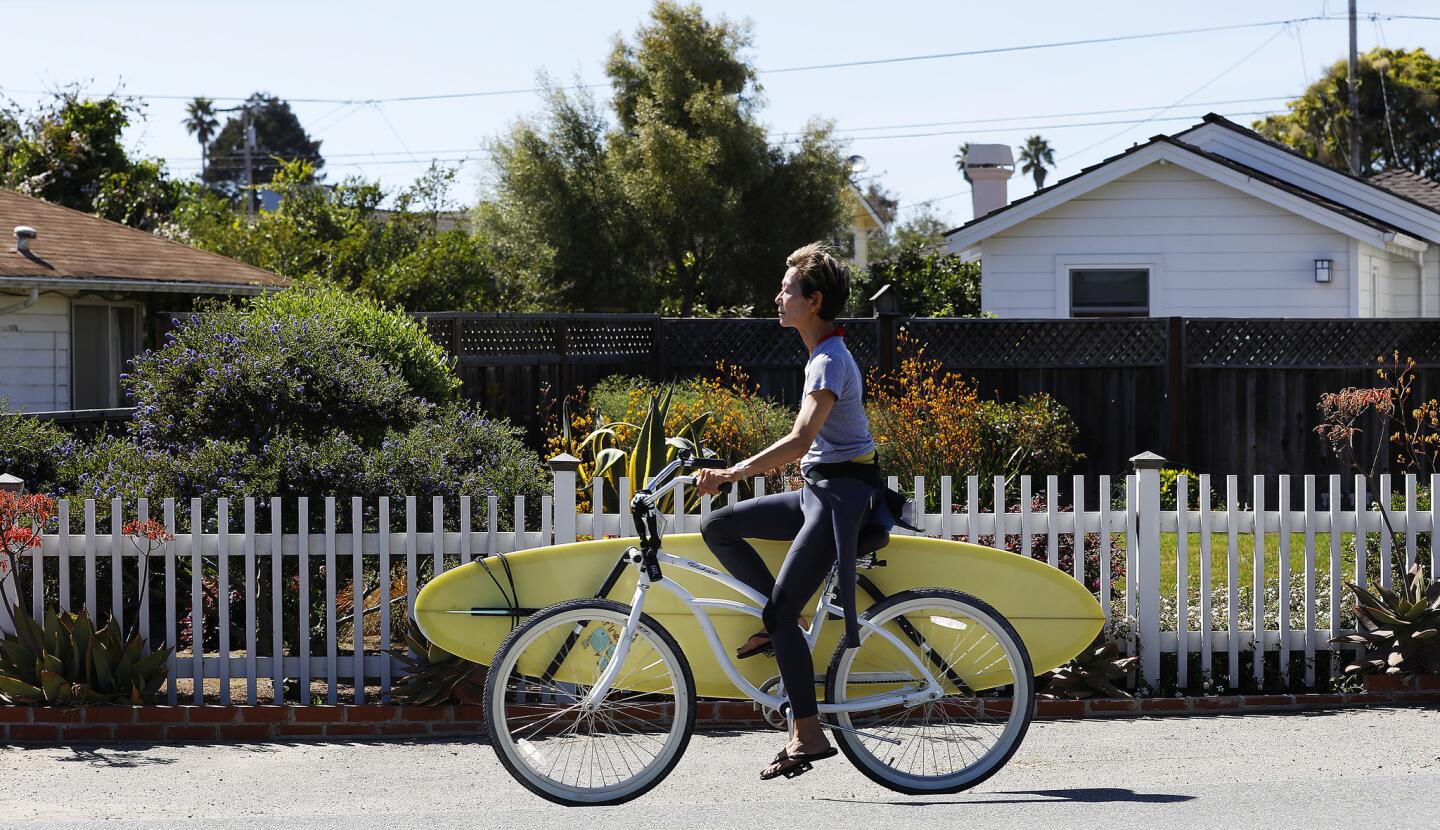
<point x="597" y="693"/>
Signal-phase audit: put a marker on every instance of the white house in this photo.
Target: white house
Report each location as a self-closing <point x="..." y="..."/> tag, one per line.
<point x="78" y="294"/>
<point x="1214" y="221"/>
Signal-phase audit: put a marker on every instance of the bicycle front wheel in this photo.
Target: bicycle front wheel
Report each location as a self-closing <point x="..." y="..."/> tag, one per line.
<point x="957" y="740"/>
<point x="618" y="749"/>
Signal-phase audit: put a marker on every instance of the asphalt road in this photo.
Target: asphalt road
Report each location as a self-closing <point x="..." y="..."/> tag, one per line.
<point x="1373" y="767"/>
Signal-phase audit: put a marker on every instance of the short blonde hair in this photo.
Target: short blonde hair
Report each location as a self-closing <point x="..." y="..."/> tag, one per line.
<point x="818" y="268"/>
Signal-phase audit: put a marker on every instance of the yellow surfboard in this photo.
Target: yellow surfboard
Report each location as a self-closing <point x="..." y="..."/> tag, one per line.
<point x="1055" y="615"/>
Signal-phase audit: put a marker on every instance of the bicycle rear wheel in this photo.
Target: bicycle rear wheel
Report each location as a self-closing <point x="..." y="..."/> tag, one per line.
<point x="615" y="752"/>
<point x="951" y="743"/>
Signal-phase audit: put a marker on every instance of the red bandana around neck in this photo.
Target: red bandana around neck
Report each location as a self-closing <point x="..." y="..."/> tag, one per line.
<point x="838" y="332"/>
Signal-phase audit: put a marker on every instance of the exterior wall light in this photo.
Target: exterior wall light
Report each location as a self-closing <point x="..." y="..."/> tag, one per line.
<point x="1323" y="269"/>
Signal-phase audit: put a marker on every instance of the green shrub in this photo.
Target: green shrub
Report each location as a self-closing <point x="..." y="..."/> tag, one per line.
<point x="459" y="451"/>
<point x="390" y="336"/>
<point x="1036" y="426"/>
<point x="741" y="421"/>
<point x="29" y="447"/>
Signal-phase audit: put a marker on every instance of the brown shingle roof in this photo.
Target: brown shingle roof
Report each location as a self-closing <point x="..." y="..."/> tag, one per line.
<point x="77" y="246"/>
<point x="1412" y="186"/>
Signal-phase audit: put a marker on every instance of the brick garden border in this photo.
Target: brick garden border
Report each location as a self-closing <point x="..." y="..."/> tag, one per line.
<point x="211" y="724"/>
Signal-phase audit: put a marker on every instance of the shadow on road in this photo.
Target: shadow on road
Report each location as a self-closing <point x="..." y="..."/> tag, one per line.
<point x="117" y="759"/>
<point x="1084" y="795"/>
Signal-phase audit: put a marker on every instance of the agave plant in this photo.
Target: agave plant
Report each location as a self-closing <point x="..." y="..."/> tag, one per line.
<point x="67" y="661"/>
<point x="608" y="462"/>
<point x="434" y="675"/>
<point x="1397" y="628"/>
<point x="1094" y="671"/>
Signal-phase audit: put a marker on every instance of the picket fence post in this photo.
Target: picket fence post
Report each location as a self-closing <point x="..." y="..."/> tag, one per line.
<point x="1147" y="561"/>
<point x="565" y="468"/>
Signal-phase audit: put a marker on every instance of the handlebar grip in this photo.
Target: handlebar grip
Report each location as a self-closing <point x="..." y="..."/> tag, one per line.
<point x="708" y="464"/>
<point x="726" y="488"/>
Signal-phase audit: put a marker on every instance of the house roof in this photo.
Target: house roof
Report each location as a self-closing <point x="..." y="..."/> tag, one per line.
<point x="866" y="207"/>
<point x="1173" y="141"/>
<point x="80" y="250"/>
<point x="1412" y="186"/>
<point x="1222" y="121"/>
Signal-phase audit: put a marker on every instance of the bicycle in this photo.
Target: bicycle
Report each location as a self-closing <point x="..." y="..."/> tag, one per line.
<point x="592" y="702"/>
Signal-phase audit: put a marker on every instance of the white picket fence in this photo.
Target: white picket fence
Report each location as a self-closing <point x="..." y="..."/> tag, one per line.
<point x="1136" y="530"/>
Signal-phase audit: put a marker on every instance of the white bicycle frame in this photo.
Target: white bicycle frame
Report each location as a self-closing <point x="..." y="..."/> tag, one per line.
<point x="699" y="608"/>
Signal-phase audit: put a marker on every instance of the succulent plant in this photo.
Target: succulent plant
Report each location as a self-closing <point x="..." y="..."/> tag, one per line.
<point x="1397" y="628"/>
<point x="67" y="661"/>
<point x="1094" y="671"/>
<point x="434" y="675"/>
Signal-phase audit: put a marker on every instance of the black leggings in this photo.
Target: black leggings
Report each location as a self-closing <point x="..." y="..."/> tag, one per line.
<point x="805" y="516"/>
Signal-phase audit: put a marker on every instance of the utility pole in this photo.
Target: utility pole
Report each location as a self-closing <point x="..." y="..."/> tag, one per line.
<point x="1353" y="82"/>
<point x="249" y="141"/>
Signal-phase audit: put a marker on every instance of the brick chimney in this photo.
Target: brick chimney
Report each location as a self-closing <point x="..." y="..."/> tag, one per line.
<point x="989" y="167"/>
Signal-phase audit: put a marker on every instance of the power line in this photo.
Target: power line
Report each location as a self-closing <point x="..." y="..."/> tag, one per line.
<point x="426" y="156"/>
<point x="1192" y="93"/>
<point x="1052" y="45"/>
<point x="782" y="70"/>
<point x="1046" y="115"/>
<point x="1134" y="122"/>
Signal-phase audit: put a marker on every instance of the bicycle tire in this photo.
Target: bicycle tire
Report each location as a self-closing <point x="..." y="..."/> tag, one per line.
<point x="509" y="751"/>
<point x="1017" y="721"/>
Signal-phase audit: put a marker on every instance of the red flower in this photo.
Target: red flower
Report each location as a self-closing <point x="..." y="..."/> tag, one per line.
<point x="150" y="529"/>
<point x="20" y="538"/>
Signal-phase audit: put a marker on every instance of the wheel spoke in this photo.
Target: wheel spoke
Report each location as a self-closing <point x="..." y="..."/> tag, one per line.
<point x="950" y="742"/>
<point x="606" y="753"/>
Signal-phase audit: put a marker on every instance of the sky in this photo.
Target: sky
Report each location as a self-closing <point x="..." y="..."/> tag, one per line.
<point x="332" y="60"/>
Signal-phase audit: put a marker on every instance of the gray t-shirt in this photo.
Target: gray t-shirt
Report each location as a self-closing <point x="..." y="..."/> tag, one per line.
<point x="846" y="432"/>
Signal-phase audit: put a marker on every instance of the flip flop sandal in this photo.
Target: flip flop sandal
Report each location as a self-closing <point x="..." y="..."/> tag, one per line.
<point x="763" y="648"/>
<point x="803" y="762"/>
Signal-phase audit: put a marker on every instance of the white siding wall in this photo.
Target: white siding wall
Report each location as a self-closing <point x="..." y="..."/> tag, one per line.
<point x="35" y="354"/>
<point x="1375" y="271"/>
<point x="1398" y="288"/>
<point x="1431" y="282"/>
<point x="1220" y="253"/>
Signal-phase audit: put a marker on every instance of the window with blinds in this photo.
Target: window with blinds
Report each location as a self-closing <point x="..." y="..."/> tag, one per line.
<point x="104" y="338"/>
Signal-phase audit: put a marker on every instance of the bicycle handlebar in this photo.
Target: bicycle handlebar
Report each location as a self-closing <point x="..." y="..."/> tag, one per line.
<point x="686" y="460"/>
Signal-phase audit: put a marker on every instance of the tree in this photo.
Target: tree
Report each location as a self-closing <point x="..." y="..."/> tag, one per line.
<point x="929" y="281"/>
<point x="1397" y="92"/>
<point x="678" y="205"/>
<point x="69" y="152"/>
<point x="278" y="138"/>
<point x="1036" y="155"/>
<point x="200" y="122"/>
<point x="885" y="203"/>
<point x="337" y="235"/>
<point x="960" y="153"/>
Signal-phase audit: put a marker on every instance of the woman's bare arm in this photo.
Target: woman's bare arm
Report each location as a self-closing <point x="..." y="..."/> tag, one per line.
<point x="813" y="412"/>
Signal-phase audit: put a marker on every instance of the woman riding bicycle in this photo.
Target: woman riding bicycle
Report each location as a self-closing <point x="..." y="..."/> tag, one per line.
<point x="831" y="438"/>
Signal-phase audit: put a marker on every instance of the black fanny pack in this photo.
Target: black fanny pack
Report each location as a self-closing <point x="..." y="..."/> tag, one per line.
<point x="868" y="473"/>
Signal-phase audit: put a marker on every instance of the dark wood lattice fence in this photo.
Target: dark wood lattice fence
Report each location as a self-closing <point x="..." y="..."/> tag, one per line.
<point x="1224" y="396"/>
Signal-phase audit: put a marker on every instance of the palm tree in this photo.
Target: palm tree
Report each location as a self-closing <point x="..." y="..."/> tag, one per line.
<point x="1037" y="154"/>
<point x="200" y="122"/>
<point x="960" y="153"/>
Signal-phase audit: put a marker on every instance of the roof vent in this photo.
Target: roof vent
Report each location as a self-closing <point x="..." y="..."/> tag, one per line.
<point x="23" y="235"/>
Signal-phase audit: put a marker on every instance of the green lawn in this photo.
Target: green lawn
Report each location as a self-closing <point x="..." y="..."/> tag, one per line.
<point x="1245" y="554"/>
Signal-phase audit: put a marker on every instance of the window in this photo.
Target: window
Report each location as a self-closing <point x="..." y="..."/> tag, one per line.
<point x="104" y="338"/>
<point x="1109" y="292"/>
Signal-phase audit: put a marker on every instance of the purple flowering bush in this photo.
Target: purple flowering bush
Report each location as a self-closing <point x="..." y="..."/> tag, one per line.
<point x="307" y="392"/>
